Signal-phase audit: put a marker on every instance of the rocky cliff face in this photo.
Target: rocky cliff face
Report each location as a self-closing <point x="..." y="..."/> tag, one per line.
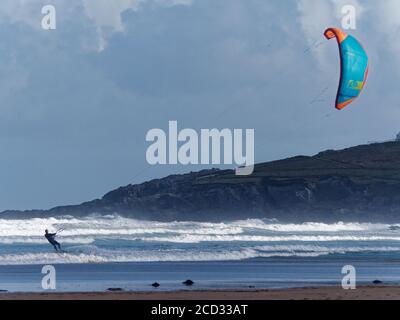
<point x="360" y="183"/>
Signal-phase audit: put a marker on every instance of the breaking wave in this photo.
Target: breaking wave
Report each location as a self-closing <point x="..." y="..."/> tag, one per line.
<point x="113" y="238"/>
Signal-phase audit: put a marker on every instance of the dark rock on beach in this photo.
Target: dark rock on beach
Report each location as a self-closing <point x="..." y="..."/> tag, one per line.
<point x="188" y="283"/>
<point x="115" y="289"/>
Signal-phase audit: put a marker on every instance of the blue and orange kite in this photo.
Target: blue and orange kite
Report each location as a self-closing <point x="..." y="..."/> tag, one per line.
<point x="354" y="67"/>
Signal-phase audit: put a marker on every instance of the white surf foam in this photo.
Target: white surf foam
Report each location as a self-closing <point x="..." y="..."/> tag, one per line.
<point x="23" y="240"/>
<point x="91" y="254"/>
<point x="115" y="225"/>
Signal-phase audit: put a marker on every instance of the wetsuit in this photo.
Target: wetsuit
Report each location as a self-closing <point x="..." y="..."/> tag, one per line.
<point x="51" y="238"/>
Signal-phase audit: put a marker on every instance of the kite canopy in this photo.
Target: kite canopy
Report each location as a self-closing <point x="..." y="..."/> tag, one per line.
<point x="354" y="67"/>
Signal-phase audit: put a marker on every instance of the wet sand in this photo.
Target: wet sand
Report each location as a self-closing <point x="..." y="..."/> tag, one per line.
<point x="320" y="293"/>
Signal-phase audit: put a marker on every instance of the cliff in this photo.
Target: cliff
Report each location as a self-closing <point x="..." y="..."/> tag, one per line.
<point x="359" y="184"/>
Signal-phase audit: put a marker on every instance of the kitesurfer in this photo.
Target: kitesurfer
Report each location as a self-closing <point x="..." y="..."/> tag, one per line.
<point x="51" y="238"/>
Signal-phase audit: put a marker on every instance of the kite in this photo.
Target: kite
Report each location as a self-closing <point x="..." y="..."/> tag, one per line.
<point x="354" y="67"/>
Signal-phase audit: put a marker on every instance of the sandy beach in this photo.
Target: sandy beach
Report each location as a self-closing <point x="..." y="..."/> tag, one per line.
<point x="320" y="293"/>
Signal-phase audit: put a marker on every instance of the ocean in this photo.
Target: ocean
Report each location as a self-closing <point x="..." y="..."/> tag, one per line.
<point x="113" y="251"/>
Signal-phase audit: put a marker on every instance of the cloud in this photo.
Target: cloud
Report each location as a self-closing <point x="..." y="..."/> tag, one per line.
<point x="316" y="16"/>
<point x="387" y="17"/>
<point x="388" y="13"/>
<point x="174" y="2"/>
<point x="107" y="15"/>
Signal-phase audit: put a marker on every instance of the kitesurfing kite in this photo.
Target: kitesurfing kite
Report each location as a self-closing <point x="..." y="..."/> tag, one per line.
<point x="354" y="67"/>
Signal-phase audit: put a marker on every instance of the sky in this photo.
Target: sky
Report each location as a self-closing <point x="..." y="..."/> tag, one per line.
<point x="77" y="102"/>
